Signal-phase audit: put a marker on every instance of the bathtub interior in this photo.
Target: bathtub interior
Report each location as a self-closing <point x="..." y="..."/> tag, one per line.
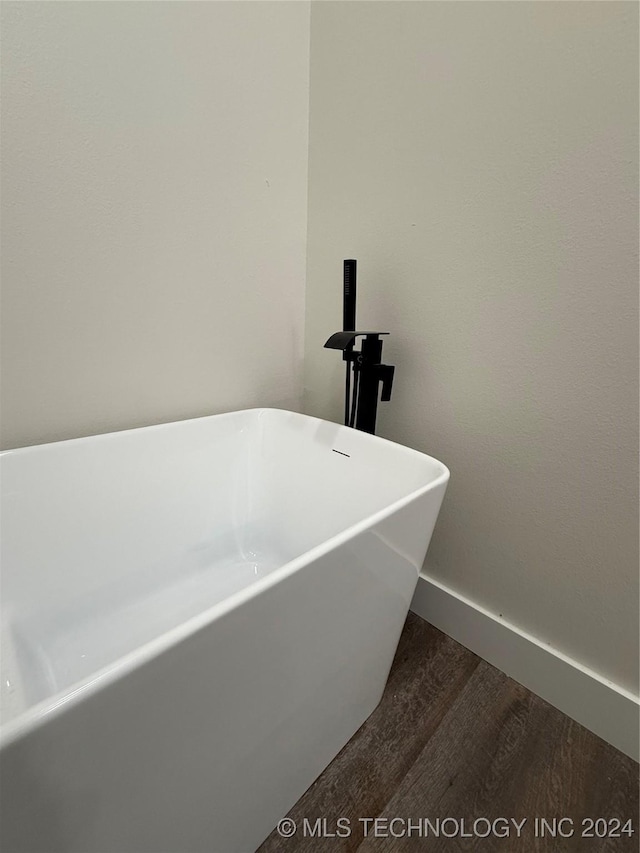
<point x="111" y="541"/>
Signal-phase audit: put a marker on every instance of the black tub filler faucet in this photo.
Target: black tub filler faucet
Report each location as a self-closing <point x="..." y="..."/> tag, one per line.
<point x="361" y="403"/>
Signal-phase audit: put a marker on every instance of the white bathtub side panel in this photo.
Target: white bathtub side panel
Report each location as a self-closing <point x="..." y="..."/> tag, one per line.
<point x="205" y="747"/>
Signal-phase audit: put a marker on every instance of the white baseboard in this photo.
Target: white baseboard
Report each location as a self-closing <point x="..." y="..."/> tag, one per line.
<point x="604" y="708"/>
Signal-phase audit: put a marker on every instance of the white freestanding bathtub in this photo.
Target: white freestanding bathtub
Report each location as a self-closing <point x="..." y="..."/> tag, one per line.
<point x="196" y="617"/>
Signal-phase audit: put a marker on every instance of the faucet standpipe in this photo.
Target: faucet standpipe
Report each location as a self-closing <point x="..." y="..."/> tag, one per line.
<point x="369" y="373"/>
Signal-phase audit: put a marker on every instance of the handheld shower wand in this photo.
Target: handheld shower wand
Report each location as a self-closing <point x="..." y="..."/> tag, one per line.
<point x="349" y="291"/>
<point x="350" y="269"/>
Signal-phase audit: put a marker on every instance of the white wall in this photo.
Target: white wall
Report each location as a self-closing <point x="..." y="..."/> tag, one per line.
<point x="480" y="160"/>
<point x="154" y="160"/>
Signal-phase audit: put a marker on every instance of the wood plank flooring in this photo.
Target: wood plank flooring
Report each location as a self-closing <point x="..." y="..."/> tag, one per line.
<point x="454" y="738"/>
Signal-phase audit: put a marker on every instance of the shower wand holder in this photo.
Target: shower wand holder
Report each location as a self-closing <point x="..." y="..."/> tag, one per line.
<point x="369" y="374"/>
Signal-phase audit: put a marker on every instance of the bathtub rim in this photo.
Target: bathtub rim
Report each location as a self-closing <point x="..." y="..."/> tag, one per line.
<point x="51" y="707"/>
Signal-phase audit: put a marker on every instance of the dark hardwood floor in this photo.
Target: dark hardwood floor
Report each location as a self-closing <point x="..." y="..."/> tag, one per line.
<point x="454" y="740"/>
